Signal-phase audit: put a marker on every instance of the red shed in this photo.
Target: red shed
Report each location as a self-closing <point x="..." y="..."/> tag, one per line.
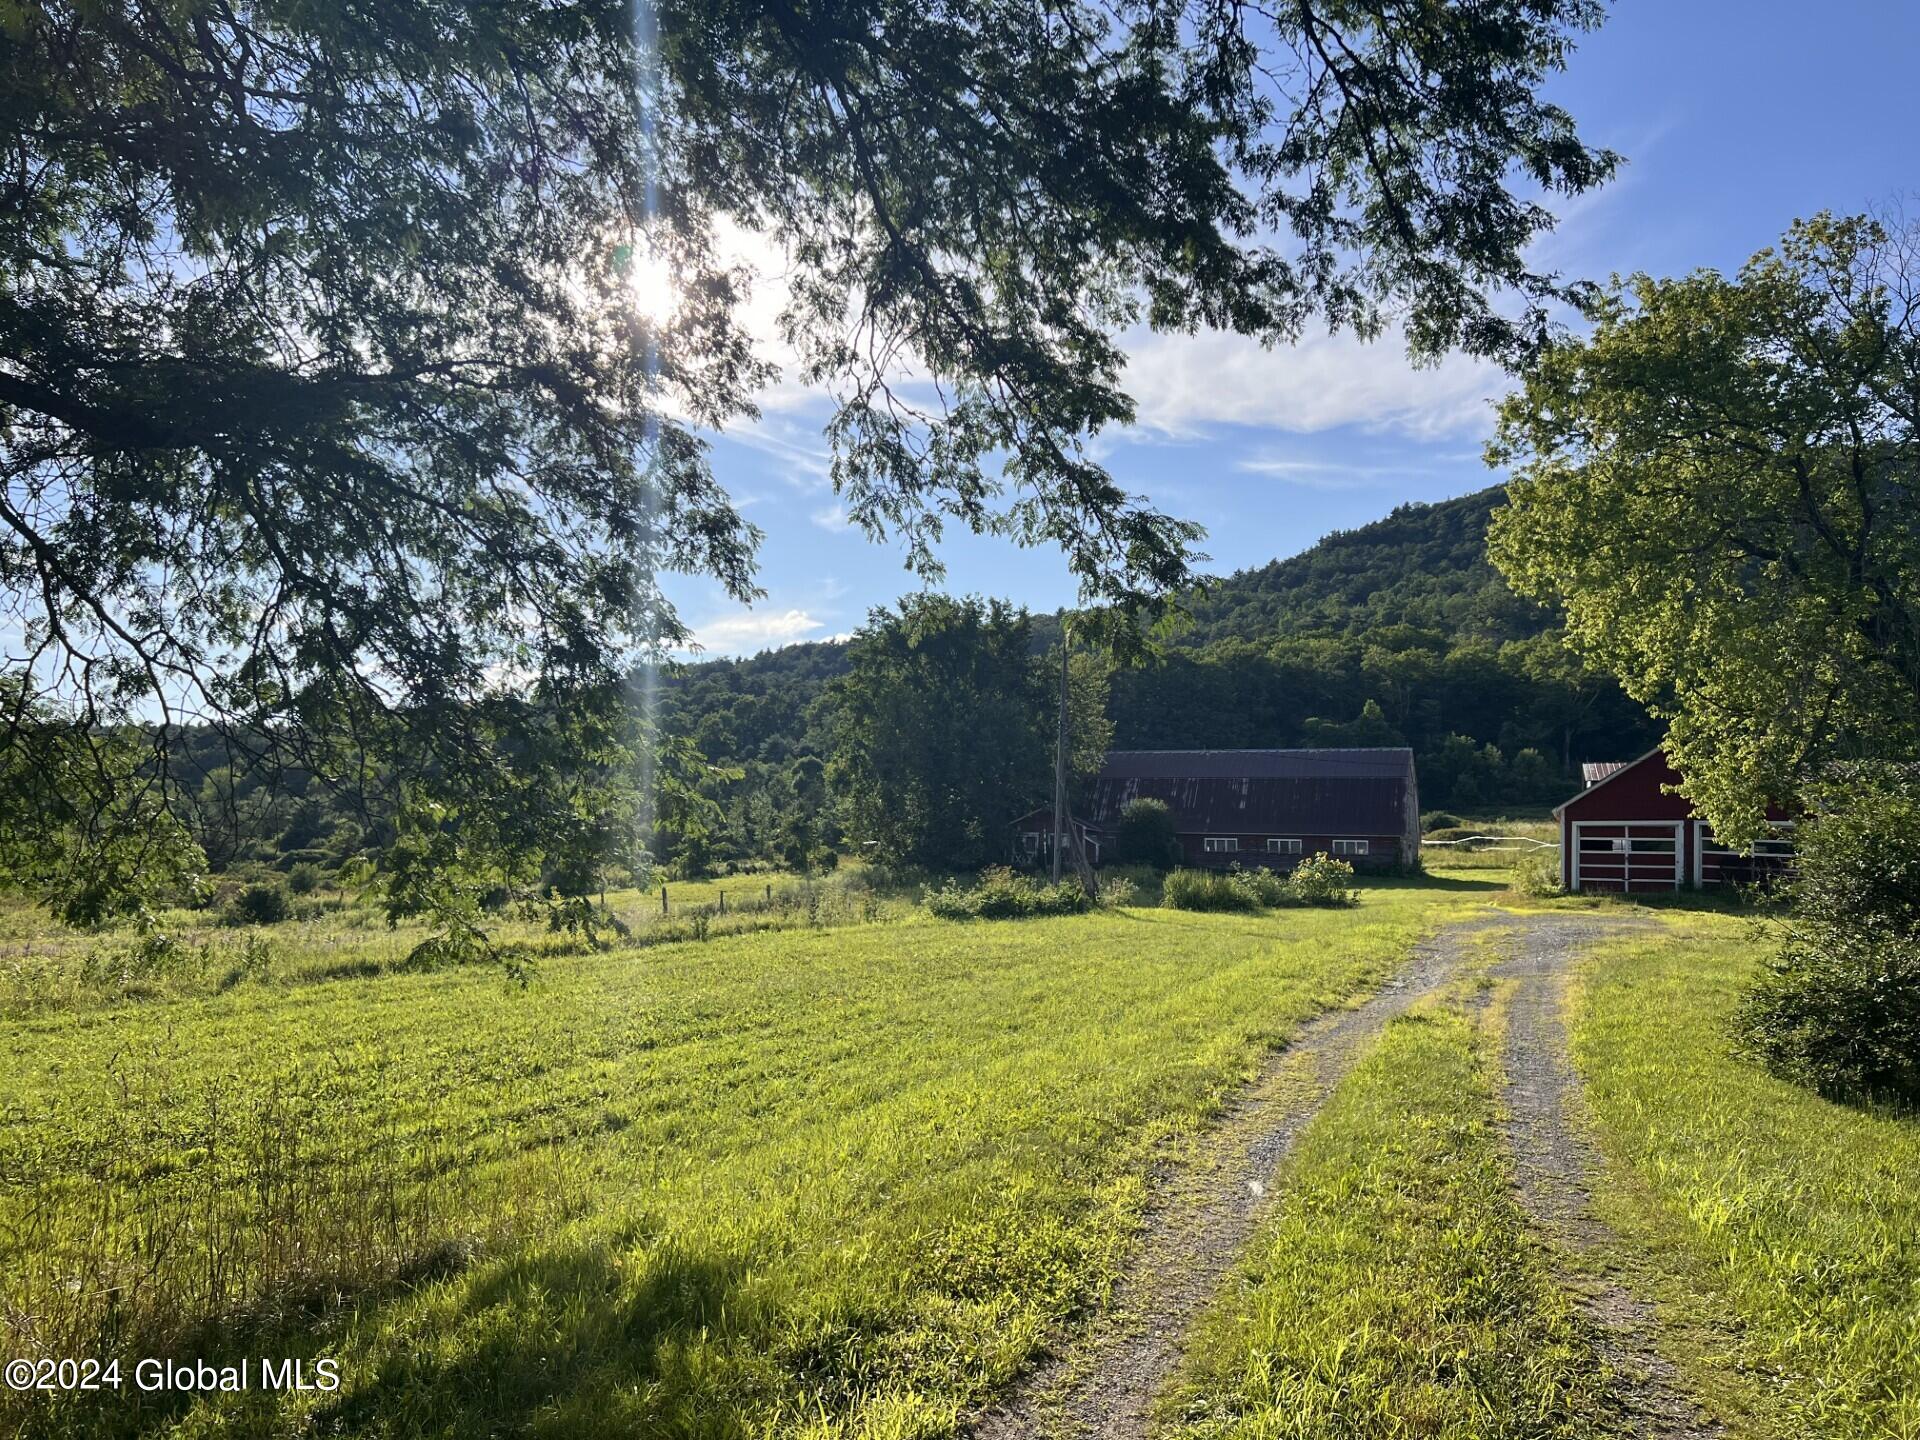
<point x="1628" y="832"/>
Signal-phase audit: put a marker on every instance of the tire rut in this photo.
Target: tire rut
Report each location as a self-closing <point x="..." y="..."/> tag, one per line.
<point x="1555" y="1168"/>
<point x="1102" y="1385"/>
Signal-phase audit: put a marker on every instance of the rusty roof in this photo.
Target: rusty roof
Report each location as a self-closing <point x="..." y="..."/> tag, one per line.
<point x="1279" y="792"/>
<point x="1592" y="772"/>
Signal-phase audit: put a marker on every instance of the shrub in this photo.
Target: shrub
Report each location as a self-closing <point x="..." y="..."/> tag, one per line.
<point x="1001" y="894"/>
<point x="1838" y="1009"/>
<point x="304" y="879"/>
<point x="262" y="904"/>
<point x="1206" y="890"/>
<point x="1317" y="880"/>
<point x="1265" y="886"/>
<point x="1146" y="835"/>
<point x="1323" y="880"/>
<point x="1839" y="1013"/>
<point x="1117" y="890"/>
<point x="1440" y="820"/>
<point x="1538" y="873"/>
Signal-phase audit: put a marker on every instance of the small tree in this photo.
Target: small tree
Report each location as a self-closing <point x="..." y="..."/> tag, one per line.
<point x="1147" y="836"/>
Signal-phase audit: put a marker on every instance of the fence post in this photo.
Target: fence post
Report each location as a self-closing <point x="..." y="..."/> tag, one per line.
<point x="769" y="892"/>
<point x="663" y="899"/>
<point x="723" y="902"/>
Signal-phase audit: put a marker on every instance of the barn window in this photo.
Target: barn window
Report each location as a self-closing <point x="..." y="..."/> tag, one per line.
<point x="1350" y="847"/>
<point x="1277" y="846"/>
<point x="1221" y="844"/>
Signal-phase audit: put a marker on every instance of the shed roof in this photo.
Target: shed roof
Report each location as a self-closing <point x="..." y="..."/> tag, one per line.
<point x="1594" y="771"/>
<point x="1282" y="792"/>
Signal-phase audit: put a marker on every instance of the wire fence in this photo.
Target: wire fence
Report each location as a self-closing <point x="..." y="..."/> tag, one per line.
<point x="1478" y="843"/>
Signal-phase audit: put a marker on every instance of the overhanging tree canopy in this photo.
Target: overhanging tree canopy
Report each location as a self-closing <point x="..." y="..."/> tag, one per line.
<point x="325" y="418"/>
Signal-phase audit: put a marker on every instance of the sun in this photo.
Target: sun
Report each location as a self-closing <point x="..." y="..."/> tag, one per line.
<point x="650" y="284"/>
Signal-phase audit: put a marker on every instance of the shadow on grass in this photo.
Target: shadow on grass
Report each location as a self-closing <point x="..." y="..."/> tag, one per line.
<point x="297" y="1323"/>
<point x="567" y="1340"/>
<point x="1495" y="881"/>
<point x="1742" y="905"/>
<point x="564" y="1339"/>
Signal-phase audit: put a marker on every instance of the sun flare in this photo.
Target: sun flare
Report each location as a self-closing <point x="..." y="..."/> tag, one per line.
<point x="650" y="284"/>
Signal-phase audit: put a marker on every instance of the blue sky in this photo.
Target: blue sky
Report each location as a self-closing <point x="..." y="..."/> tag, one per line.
<point x="1735" y="117"/>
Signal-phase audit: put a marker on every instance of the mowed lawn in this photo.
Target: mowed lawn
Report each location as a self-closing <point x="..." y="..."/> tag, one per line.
<point x="818" y="1182"/>
<point x="1788" y="1223"/>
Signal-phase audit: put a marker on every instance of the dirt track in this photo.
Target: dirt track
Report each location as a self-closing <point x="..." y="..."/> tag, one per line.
<point x="1556" y="1167"/>
<point x="1101" y="1385"/>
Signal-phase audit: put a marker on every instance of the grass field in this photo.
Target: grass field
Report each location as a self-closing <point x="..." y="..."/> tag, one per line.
<point x="1787" y="1223"/>
<point x="813" y="1181"/>
<point x="336" y="936"/>
<point x="1491" y="845"/>
<point x="836" y="1169"/>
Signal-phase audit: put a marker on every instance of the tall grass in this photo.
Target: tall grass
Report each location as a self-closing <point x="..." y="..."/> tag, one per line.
<point x="1801" y="1217"/>
<point x="197" y="953"/>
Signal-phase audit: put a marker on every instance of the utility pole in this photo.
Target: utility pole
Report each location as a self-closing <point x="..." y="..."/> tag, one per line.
<point x="1060" y="764"/>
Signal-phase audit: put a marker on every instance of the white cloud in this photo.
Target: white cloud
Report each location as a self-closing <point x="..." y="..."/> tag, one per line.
<point x="744" y="632"/>
<point x="1337" y="475"/>
<point x="1183" y="383"/>
<point x="831" y="517"/>
<point x="804" y="462"/>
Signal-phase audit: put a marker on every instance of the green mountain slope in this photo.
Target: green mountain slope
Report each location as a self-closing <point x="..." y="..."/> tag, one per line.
<point x="1423" y="565"/>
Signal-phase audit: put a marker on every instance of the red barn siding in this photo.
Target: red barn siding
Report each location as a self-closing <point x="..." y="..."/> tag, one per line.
<point x="1632" y="805"/>
<point x="1383" y="851"/>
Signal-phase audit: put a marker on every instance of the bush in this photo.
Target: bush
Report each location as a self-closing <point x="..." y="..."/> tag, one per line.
<point x="1440" y="820"/>
<point x="1267" y="887"/>
<point x="304" y="879"/>
<point x="1323" y="880"/>
<point x="1117" y="890"/>
<point x="1001" y="894"/>
<point x="1146" y="835"/>
<point x="1538" y="874"/>
<point x="262" y="904"/>
<point x="1840" y="1014"/>
<point x="1316" y="880"/>
<point x="1206" y="890"/>
<point x="1838" y="1009"/>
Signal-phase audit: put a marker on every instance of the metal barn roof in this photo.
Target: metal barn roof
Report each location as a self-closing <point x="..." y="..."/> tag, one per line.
<point x="1593" y="772"/>
<point x="1387" y="761"/>
<point x="1282" y="792"/>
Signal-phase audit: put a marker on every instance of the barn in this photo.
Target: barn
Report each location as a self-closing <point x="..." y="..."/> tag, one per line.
<point x="1627" y="832"/>
<point x="1257" y="807"/>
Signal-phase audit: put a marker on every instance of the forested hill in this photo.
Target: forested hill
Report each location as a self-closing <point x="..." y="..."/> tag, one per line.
<point x="1423" y="565"/>
<point x="1399" y="632"/>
